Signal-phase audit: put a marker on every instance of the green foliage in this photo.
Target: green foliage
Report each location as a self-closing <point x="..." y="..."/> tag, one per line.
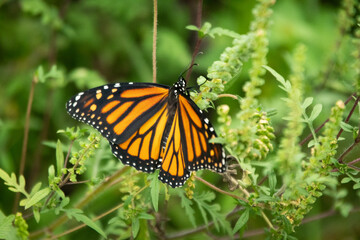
<point x="273" y="73"/>
<point x="155" y="190"/>
<point x="207" y="30"/>
<point x="79" y="216"/>
<point x="203" y="202"/>
<point x="7" y="229"/>
<point x="243" y="219"/>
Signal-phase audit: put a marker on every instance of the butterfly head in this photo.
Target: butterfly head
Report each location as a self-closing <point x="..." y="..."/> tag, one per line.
<point x="179" y="87"/>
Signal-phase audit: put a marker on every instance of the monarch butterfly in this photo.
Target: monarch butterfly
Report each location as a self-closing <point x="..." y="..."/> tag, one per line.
<point x="151" y="126"/>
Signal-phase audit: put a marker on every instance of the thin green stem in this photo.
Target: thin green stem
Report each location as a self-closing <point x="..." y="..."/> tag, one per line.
<point x="76" y="164"/>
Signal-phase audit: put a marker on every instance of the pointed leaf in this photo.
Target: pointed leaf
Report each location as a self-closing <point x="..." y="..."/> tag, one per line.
<point x="346" y="127"/>
<point x="311" y="143"/>
<point x="147" y="216"/>
<point x="356" y="186"/>
<point x="21" y="182"/>
<point x="192" y="28"/>
<point x="37" y="197"/>
<point x="308" y="101"/>
<point x="7" y="230"/>
<point x="154" y="190"/>
<point x="135" y="226"/>
<point x="275" y="74"/>
<point x="35" y="188"/>
<point x="79" y="216"/>
<point x="36" y="213"/>
<point x="272" y="183"/>
<point x="5" y="176"/>
<point x="243" y="219"/>
<point x="315" y="112"/>
<point x="186" y="204"/>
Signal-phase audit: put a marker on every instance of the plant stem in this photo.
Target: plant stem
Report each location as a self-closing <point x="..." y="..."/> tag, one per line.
<point x="198" y="40"/>
<point x="154" y="40"/>
<point x="349" y="116"/>
<point x="96" y="218"/>
<point x="76" y="164"/>
<point x="26" y="137"/>
<point x="228" y="95"/>
<point x="308" y="137"/>
<point x="219" y="190"/>
<point x="101" y="188"/>
<point x="349" y="149"/>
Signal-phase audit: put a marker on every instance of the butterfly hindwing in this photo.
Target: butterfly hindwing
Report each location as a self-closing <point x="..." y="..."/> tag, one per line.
<point x="188" y="147"/>
<point x="173" y="169"/>
<point x="196" y="132"/>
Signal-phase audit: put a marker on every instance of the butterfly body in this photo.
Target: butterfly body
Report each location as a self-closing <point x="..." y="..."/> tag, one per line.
<point x="151" y="126"/>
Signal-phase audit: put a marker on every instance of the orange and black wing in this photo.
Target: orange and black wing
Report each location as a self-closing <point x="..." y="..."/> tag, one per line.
<point x="144" y="149"/>
<point x="188" y="148"/>
<point x="132" y="116"/>
<point x="173" y="170"/>
<point x="196" y="132"/>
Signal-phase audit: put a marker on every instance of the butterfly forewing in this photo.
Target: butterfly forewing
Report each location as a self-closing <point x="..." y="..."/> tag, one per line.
<point x="143" y="150"/>
<point x="117" y="111"/>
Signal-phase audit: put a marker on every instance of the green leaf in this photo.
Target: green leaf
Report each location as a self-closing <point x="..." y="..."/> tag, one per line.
<point x="51" y="172"/>
<point x="186" y="204"/>
<point x="154" y="190"/>
<point x="59" y="158"/>
<point x="36" y="213"/>
<point x="286" y="85"/>
<point x="204" y="30"/>
<point x="315" y="112"/>
<point x="144" y="215"/>
<point x="287" y="224"/>
<point x="35" y="188"/>
<point x="192" y="28"/>
<point x="345" y="180"/>
<point x="356" y="186"/>
<point x="307" y="102"/>
<point x="264" y="198"/>
<point x="311" y="143"/>
<point x="223" y="32"/>
<point x="7" y="230"/>
<point x="135" y="226"/>
<point x="79" y="216"/>
<point x="345" y="209"/>
<point x="11" y="181"/>
<point x="272" y="183"/>
<point x="22" y="182"/>
<point x="127" y="200"/>
<point x="346" y="127"/>
<point x="5" y="176"/>
<point x="203" y="201"/>
<point x="243" y="219"/>
<point x="37" y="197"/>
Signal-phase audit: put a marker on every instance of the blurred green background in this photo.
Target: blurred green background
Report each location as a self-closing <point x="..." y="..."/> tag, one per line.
<point x="93" y="42"/>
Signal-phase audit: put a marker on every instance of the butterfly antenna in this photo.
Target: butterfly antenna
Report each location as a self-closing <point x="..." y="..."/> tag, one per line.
<point x="190" y="67"/>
